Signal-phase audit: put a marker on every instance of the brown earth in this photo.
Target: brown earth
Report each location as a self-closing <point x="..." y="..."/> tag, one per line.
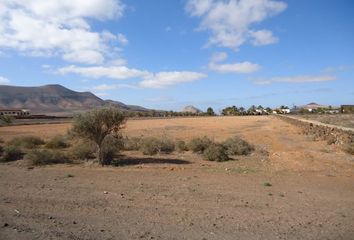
<point x="181" y="196"/>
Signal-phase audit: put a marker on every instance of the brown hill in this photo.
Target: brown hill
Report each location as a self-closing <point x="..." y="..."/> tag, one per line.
<point x="56" y="100"/>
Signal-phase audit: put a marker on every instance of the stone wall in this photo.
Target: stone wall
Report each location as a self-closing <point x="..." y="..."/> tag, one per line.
<point x="321" y="131"/>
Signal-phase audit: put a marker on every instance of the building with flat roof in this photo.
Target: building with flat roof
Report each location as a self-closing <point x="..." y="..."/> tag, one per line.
<point x="14" y="112"/>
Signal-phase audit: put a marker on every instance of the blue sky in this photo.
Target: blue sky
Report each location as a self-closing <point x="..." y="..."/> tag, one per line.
<point x="167" y="54"/>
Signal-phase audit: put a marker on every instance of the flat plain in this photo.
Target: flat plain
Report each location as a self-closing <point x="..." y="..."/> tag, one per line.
<point x="291" y="187"/>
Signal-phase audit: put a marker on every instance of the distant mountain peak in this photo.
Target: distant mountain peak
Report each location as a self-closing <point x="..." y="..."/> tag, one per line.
<point x="55" y="99"/>
<point x="191" y="109"/>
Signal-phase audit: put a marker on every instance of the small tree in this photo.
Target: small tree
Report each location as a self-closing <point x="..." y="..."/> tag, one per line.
<point x="210" y="112"/>
<point x="96" y="125"/>
<point x="6" y="120"/>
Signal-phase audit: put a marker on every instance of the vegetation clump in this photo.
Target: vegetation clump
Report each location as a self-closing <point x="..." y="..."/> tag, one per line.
<point x="28" y="142"/>
<point x="349" y="148"/>
<point x="198" y="145"/>
<point x="216" y="152"/>
<point x="11" y="153"/>
<point x="83" y="150"/>
<point x="96" y="125"/>
<point x="181" y="146"/>
<point x="57" y="142"/>
<point x="132" y="144"/>
<point x="149" y="146"/>
<point x="238" y="146"/>
<point x="44" y="157"/>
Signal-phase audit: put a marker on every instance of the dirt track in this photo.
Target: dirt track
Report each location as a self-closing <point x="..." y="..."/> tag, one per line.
<point x="180" y="196"/>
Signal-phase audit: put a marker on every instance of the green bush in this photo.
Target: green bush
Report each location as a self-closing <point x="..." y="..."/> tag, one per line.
<point x="149" y="146"/>
<point x="57" y="142"/>
<point x="44" y="157"/>
<point x="1" y="150"/>
<point x="132" y="144"/>
<point x="11" y="153"/>
<point x="216" y="152"/>
<point x="238" y="146"/>
<point x="110" y="147"/>
<point x="349" y="148"/>
<point x="26" y="142"/>
<point x="198" y="145"/>
<point x="83" y="150"/>
<point x="181" y="146"/>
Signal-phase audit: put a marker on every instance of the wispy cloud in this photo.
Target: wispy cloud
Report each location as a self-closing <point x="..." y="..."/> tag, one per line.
<point x="59" y="28"/>
<point x="4" y="80"/>
<point x="237" y="67"/>
<point x="297" y="79"/>
<point x="230" y="22"/>
<point x="113" y="72"/>
<point x="106" y="87"/>
<point x="342" y="68"/>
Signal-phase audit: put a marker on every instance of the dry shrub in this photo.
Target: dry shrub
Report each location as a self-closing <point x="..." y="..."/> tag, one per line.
<point x="149" y="146"/>
<point x="111" y="146"/>
<point x="349" y="148"/>
<point x="216" y="152"/>
<point x="57" y="142"/>
<point x="152" y="146"/>
<point x="83" y="150"/>
<point x="181" y="146"/>
<point x="132" y="144"/>
<point x="198" y="145"/>
<point x="11" y="153"/>
<point x="238" y="146"/>
<point x="26" y="142"/>
<point x="45" y="157"/>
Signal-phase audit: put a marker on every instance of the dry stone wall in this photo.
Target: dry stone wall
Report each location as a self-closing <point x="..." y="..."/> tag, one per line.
<point x="331" y="133"/>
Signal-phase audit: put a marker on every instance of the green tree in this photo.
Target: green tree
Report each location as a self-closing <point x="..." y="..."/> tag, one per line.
<point x="96" y="125"/>
<point x="6" y="120"/>
<point x="210" y="112"/>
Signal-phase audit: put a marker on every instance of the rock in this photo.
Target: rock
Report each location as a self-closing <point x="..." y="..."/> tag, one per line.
<point x="105" y="192"/>
<point x="6" y="224"/>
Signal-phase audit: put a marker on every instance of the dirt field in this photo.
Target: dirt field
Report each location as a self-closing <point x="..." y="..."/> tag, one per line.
<point x="181" y="196"/>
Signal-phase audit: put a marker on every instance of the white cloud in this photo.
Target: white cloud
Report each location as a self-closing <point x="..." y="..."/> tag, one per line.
<point x="165" y="79"/>
<point x="122" y="39"/>
<point x="114" y="72"/>
<point x="263" y="37"/>
<point x="230" y="22"/>
<point x="298" y="79"/>
<point x="106" y="87"/>
<point x="149" y="80"/>
<point x="59" y="28"/>
<point x="241" y="67"/>
<point x="4" y="80"/>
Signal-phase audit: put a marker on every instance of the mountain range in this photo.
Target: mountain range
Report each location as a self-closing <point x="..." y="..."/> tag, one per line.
<point x="56" y="100"/>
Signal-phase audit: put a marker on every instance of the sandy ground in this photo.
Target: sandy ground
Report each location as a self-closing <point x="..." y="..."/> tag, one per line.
<point x="181" y="196"/>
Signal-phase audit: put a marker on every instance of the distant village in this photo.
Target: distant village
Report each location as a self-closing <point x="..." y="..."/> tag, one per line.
<point x="311" y="108"/>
